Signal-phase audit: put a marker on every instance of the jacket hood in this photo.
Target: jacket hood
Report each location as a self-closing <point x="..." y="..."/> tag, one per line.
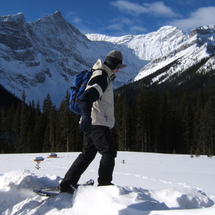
<point x="99" y="65"/>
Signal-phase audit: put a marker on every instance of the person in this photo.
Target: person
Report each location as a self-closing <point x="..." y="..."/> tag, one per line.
<point x="97" y="120"/>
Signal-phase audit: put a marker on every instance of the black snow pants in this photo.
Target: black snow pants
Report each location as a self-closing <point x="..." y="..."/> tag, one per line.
<point x="99" y="139"/>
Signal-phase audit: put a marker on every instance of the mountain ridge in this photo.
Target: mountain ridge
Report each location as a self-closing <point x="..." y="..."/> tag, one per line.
<point x="42" y="57"/>
<point x="144" y="45"/>
<point x="185" y="55"/>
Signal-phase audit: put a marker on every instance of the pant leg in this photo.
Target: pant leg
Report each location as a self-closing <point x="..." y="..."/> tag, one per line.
<point x="106" y="168"/>
<point x="102" y="139"/>
<point x="80" y="164"/>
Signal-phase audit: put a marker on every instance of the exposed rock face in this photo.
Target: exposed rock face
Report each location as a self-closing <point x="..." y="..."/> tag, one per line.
<point x="191" y="57"/>
<point x="43" y="56"/>
<point x="203" y="30"/>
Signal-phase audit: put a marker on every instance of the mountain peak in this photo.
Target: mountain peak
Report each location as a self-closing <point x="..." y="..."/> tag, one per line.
<point x="42" y="56"/>
<point x="55" y="23"/>
<point x="14" y="17"/>
<point x="16" y="21"/>
<point x="12" y="33"/>
<point x="56" y="15"/>
<point x="203" y="30"/>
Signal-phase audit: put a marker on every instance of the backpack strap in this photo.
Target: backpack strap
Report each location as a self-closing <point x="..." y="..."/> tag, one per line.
<point x="100" y="72"/>
<point x="96" y="73"/>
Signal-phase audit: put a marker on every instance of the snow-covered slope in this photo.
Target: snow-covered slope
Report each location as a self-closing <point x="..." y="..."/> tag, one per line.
<point x="148" y="46"/>
<point x="43" y="56"/>
<point x="171" y="52"/>
<point x="197" y="51"/>
<point x="146" y="183"/>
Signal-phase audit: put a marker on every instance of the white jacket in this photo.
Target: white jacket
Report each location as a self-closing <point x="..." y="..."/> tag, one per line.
<point x="102" y="112"/>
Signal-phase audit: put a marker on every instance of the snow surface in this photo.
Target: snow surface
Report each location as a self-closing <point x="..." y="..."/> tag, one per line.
<point x="147" y="46"/>
<point x="146" y="183"/>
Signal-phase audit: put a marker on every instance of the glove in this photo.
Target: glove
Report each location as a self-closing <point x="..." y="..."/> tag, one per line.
<point x="86" y="123"/>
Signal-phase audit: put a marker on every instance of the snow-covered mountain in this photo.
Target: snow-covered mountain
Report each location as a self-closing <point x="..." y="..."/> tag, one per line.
<point x="194" y="55"/>
<point x="171" y="52"/>
<point x="148" y="46"/>
<point x="42" y="57"/>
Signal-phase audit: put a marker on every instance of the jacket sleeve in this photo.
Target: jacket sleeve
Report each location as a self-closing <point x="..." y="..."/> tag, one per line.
<point x="94" y="91"/>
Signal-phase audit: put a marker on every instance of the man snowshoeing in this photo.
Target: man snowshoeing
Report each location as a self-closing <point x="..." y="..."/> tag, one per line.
<point x="97" y="120"/>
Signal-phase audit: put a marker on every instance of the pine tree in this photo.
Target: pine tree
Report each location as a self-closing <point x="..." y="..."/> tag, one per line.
<point x="207" y="129"/>
<point x="52" y="131"/>
<point x="9" y="118"/>
<point x="165" y="129"/>
<point x="30" y="141"/>
<point x="2" y="130"/>
<point x="16" y="119"/>
<point x="68" y="132"/>
<point x="144" y="111"/>
<point x="38" y="131"/>
<point x="47" y="120"/>
<point x="197" y="123"/>
<point x="185" y="119"/>
<point x="126" y="126"/>
<point x="24" y="126"/>
<point x="119" y="112"/>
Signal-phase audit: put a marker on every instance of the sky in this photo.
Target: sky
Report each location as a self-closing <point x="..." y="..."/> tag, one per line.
<point x="118" y="18"/>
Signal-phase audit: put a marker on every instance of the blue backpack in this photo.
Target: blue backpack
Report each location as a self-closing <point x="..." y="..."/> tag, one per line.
<point x="77" y="89"/>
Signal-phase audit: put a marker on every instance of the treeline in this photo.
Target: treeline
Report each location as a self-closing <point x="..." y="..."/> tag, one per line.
<point x="31" y="128"/>
<point x="174" y="122"/>
<point x="167" y="123"/>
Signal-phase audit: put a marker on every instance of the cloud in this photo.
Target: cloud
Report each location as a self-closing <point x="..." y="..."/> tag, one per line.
<point x="156" y="8"/>
<point x="132" y="30"/>
<point x="134" y="24"/>
<point x="202" y="16"/>
<point x="118" y="27"/>
<point x="76" y="20"/>
<point x="73" y="18"/>
<point x="121" y="23"/>
<point x="159" y="9"/>
<point x="138" y="29"/>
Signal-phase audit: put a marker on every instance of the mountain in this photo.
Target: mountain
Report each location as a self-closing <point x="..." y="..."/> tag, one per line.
<point x="43" y="56"/>
<point x="148" y="46"/>
<point x="192" y="57"/>
<point x="175" y="57"/>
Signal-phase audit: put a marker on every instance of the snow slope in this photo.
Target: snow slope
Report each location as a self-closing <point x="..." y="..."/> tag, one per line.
<point x="170" y="51"/>
<point x="43" y="57"/>
<point x="146" y="183"/>
<point x="147" y="46"/>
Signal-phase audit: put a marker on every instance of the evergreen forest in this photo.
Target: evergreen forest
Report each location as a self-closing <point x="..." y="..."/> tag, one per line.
<point x="178" y="121"/>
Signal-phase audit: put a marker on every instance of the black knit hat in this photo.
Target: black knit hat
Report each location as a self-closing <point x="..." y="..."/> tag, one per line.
<point x="114" y="60"/>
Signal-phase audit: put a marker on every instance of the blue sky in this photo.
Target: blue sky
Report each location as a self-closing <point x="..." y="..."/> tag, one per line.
<point x="117" y="18"/>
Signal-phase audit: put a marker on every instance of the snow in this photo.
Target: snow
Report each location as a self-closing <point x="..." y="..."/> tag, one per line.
<point x="51" y="53"/>
<point x="145" y="183"/>
<point x="147" y="46"/>
<point x="181" y="59"/>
